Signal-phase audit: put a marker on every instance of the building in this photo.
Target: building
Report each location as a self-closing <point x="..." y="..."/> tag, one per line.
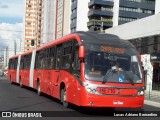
<point x="1" y="61"/>
<point x="6" y="57"/>
<point x="145" y="36"/>
<point x="32" y="24"/>
<point x="79" y="17"/>
<point x="105" y="14"/>
<point x="55" y="20"/>
<point x="62" y="25"/>
<point x="48" y="20"/>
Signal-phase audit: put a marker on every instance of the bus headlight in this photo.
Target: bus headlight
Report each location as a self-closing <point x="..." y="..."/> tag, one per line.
<point x="91" y="90"/>
<point x="140" y="91"/>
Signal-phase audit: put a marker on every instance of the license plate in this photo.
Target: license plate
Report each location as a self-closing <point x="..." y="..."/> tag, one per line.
<point x="107" y="90"/>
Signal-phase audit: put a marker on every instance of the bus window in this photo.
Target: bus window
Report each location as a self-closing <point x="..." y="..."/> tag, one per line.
<point x="51" y="58"/>
<point x="75" y="62"/>
<point x="22" y="63"/>
<point x="58" y="56"/>
<point x="67" y="57"/>
<point x="27" y="61"/>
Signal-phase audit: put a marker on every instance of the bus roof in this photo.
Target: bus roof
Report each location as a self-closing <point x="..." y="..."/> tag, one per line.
<point x="85" y="37"/>
<point x="15" y="56"/>
<point x="60" y="40"/>
<point x="102" y="38"/>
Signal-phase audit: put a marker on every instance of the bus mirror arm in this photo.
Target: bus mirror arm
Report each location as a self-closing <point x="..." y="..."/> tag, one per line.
<point x="81" y="52"/>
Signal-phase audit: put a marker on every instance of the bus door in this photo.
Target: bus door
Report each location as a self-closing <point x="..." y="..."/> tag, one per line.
<point x="18" y="69"/>
<point x="70" y="72"/>
<point x="56" y="72"/>
<point x="27" y="69"/>
<point x="75" y="77"/>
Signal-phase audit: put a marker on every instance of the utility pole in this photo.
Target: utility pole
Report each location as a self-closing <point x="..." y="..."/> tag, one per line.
<point x="101" y="28"/>
<point x="15" y="47"/>
<point x="6" y="55"/>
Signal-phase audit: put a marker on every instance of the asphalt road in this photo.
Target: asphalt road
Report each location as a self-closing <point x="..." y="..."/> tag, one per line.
<point x="16" y="99"/>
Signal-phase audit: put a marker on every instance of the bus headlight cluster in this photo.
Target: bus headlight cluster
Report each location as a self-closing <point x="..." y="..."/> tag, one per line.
<point x="91" y="90"/>
<point x="140" y="92"/>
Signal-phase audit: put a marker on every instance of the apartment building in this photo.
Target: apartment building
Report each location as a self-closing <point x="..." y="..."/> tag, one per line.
<point x="48" y="20"/>
<point x="32" y="24"/>
<point x="104" y="14"/>
<point x="79" y="17"/>
<point x="55" y="19"/>
<point x="62" y="25"/>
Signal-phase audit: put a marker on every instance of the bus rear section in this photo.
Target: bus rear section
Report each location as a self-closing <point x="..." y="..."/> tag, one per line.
<point x="112" y="77"/>
<point x="12" y="69"/>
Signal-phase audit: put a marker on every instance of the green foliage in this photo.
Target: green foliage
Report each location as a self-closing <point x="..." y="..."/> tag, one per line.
<point x="104" y="20"/>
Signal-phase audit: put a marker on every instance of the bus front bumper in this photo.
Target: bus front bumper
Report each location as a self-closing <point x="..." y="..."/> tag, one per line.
<point x="92" y="100"/>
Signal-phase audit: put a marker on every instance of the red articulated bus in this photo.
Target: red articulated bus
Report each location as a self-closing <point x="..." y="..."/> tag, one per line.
<point x="83" y="68"/>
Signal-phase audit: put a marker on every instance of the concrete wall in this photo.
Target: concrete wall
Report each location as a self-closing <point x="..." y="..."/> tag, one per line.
<point x="157" y="7"/>
<point x="115" y="12"/>
<point x="140" y="28"/>
<point x="48" y="20"/>
<point x="82" y="15"/>
<point x="66" y="18"/>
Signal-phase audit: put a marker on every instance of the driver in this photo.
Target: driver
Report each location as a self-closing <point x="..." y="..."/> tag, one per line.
<point x="115" y="66"/>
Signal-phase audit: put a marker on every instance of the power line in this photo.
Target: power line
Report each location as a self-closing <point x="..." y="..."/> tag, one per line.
<point x="10" y="30"/>
<point x="24" y="31"/>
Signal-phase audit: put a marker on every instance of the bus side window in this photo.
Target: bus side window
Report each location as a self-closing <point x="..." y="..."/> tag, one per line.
<point x="76" y="63"/>
<point x="66" y="57"/>
<point x="58" y="56"/>
<point x="51" y="57"/>
<point x="22" y="63"/>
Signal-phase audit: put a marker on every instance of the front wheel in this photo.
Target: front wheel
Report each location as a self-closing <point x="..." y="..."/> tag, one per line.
<point x="63" y="98"/>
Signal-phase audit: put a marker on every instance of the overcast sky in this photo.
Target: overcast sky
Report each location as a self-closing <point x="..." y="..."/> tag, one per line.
<point x="11" y="18"/>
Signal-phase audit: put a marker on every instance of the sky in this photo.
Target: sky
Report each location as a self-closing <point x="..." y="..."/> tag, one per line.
<point x="11" y="22"/>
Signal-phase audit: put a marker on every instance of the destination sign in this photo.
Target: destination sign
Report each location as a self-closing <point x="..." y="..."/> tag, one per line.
<point x="112" y="49"/>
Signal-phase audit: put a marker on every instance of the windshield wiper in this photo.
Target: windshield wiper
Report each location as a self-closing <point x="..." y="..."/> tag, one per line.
<point x="129" y="78"/>
<point x="109" y="73"/>
<point x="105" y="78"/>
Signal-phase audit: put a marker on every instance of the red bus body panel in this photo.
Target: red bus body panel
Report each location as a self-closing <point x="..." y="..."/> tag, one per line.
<point x="93" y="100"/>
<point x="51" y="80"/>
<point x="12" y="75"/>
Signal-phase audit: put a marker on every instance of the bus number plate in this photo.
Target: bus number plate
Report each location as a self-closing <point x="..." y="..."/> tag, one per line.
<point x="108" y="90"/>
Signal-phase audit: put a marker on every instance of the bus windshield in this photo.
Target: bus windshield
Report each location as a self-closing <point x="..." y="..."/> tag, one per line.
<point x="114" y="65"/>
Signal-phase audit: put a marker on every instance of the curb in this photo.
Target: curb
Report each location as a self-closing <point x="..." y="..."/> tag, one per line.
<point x="155" y="104"/>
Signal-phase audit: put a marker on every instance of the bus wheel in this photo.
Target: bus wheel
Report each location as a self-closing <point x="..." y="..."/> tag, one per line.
<point x="21" y="85"/>
<point x="11" y="80"/>
<point x="39" y="89"/>
<point x="63" y="98"/>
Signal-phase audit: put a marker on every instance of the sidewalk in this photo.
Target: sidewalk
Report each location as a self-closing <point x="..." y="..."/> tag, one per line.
<point x="152" y="98"/>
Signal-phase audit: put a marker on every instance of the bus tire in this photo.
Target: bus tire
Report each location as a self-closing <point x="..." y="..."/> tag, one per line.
<point x="21" y="85"/>
<point x="63" y="98"/>
<point x="39" y="89"/>
<point x="11" y="80"/>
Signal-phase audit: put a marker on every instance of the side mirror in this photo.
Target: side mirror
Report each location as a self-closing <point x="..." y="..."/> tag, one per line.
<point x="81" y="53"/>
